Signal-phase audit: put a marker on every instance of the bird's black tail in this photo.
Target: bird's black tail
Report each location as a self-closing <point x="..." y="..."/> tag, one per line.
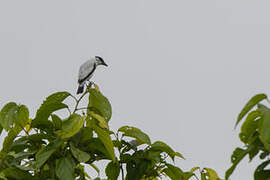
<point x="80" y="89"/>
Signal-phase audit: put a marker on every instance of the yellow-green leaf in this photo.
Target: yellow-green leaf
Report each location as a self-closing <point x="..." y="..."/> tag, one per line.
<point x="8" y="115"/>
<point x="100" y="103"/>
<point x="104" y="136"/>
<point x="134" y="132"/>
<point x="211" y="174"/>
<point x="101" y="120"/>
<point x="72" y="125"/>
<point x="80" y="155"/>
<point x="251" y="103"/>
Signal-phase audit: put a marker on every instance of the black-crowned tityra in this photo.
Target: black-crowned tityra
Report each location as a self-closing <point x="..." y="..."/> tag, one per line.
<point x="87" y="70"/>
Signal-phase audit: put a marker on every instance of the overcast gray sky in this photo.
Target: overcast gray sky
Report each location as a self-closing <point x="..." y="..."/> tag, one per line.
<point x="179" y="70"/>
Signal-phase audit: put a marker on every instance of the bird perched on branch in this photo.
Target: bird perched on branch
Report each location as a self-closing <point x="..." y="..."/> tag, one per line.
<point x="87" y="70"/>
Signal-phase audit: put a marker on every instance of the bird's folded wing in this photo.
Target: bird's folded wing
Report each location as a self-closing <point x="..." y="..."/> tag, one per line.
<point x="86" y="69"/>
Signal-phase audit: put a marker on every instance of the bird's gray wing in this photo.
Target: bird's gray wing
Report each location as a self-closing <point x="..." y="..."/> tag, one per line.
<point x="86" y="70"/>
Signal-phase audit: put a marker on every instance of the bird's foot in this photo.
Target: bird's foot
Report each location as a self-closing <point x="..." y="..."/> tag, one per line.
<point x="89" y="85"/>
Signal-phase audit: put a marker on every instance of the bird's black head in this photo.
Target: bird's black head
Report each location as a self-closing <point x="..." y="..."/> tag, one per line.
<point x="100" y="61"/>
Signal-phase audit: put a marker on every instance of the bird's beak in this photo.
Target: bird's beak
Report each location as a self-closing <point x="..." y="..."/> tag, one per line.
<point x="104" y="64"/>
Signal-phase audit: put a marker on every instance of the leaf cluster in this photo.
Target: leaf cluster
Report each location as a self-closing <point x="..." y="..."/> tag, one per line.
<point x="255" y="134"/>
<point x="52" y="147"/>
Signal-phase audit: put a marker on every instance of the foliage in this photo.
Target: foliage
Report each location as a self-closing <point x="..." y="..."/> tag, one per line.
<point x="255" y="134"/>
<point x="51" y="147"/>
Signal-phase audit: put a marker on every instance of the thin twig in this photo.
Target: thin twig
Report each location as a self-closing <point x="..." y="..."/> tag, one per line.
<point x="83" y="108"/>
<point x="24" y="130"/>
<point x="69" y="110"/>
<point x="122" y="172"/>
<point x="78" y="101"/>
<point x="268" y="100"/>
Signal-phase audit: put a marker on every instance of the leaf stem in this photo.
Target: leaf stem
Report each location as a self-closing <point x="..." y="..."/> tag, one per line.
<point x="122" y="171"/>
<point x="268" y="100"/>
<point x="69" y="110"/>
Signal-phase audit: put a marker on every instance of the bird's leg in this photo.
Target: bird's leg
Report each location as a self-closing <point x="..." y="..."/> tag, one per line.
<point x="89" y="84"/>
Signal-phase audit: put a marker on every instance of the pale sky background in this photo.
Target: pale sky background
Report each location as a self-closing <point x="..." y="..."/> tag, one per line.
<point x="179" y="70"/>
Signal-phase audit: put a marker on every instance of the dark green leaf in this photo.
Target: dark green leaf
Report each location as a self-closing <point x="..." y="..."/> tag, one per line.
<point x="8" y="115"/>
<point x="65" y="168"/>
<point x="15" y="173"/>
<point x="137" y="169"/>
<point x="264" y="154"/>
<point x="249" y="126"/>
<point x="251" y="103"/>
<point x="264" y="129"/>
<point x="86" y="134"/>
<point x="161" y="146"/>
<point x="112" y="170"/>
<point x="12" y="134"/>
<point x="237" y="156"/>
<point x="81" y="156"/>
<point x="50" y="105"/>
<point x="154" y="156"/>
<point x="174" y="172"/>
<point x="96" y="146"/>
<point x="72" y="125"/>
<point x="261" y="173"/>
<point x="100" y="103"/>
<point x="104" y="136"/>
<point x="57" y="122"/>
<point x="43" y="155"/>
<point x="125" y="157"/>
<point x="141" y="137"/>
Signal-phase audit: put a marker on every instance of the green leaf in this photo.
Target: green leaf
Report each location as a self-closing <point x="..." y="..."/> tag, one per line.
<point x="44" y="154"/>
<point x="174" y="172"/>
<point x="81" y="156"/>
<point x="2" y="175"/>
<point x="101" y="121"/>
<point x="211" y="174"/>
<point x="97" y="146"/>
<point x="8" y="115"/>
<point x="136" y="133"/>
<point x="260" y="173"/>
<point x="64" y="168"/>
<point x="136" y="169"/>
<point x="161" y="146"/>
<point x="57" y="122"/>
<point x="72" y="125"/>
<point x="50" y="105"/>
<point x="86" y="134"/>
<point x="22" y="116"/>
<point x="249" y="126"/>
<point x="100" y="103"/>
<point x="236" y="157"/>
<point x="15" y="173"/>
<point x="251" y="103"/>
<point x="194" y="169"/>
<point x="112" y="170"/>
<point x="255" y="150"/>
<point x="179" y="155"/>
<point x="104" y="136"/>
<point x="264" y="128"/>
<point x="12" y="134"/>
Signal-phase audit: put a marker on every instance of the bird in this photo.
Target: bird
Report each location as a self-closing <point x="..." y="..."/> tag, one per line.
<point x="87" y="70"/>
